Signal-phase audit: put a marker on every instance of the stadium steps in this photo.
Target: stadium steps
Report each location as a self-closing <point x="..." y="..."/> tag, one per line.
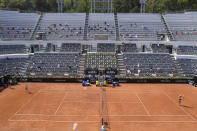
<point x="35" y="28"/>
<point x="82" y="64"/>
<point x="120" y="65"/>
<point x="85" y="37"/>
<point x="169" y="33"/>
<point x="117" y="26"/>
<point x="23" y="69"/>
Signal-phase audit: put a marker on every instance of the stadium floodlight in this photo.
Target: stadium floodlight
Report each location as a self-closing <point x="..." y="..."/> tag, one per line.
<point x="143" y="6"/>
<point x="60" y="4"/>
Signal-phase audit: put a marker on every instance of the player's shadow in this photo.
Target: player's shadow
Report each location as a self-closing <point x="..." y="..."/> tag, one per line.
<point x="30" y="92"/>
<point x="12" y="88"/>
<point x="185" y="106"/>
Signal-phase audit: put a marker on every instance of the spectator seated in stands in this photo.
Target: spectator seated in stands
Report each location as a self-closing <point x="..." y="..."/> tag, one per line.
<point x="101" y="23"/>
<point x="69" y="26"/>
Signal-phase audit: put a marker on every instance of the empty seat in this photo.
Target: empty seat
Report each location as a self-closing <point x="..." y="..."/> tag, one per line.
<point x="187" y="50"/>
<point x="56" y="64"/>
<point x="150" y="64"/>
<point x="101" y="23"/>
<point x="183" y="25"/>
<point x="62" y="26"/>
<point x="135" y="26"/>
<point x="17" y="26"/>
<point x="105" y="47"/>
<point x="13" y="49"/>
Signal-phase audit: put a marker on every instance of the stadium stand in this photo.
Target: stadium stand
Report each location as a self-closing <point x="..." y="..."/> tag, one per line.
<point x="188" y="66"/>
<point x="101" y="23"/>
<point x="17" y="26"/>
<point x="71" y="47"/>
<point x="144" y="64"/>
<point x="101" y="60"/>
<point x="57" y="64"/>
<point x="62" y="26"/>
<point x="12" y="49"/>
<point x="128" y="47"/>
<point x="49" y="47"/>
<point x="183" y="25"/>
<point x="187" y="50"/>
<point x="105" y="47"/>
<point x="12" y="66"/>
<point x="140" y="26"/>
<point x="159" y="48"/>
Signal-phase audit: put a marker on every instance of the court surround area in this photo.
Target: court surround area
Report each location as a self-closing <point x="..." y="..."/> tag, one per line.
<point x="60" y="106"/>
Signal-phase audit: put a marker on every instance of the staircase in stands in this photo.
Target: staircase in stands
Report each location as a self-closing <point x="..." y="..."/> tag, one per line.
<point x="85" y="37"/>
<point x="169" y="33"/>
<point x="82" y="65"/>
<point x="120" y="64"/>
<point x="117" y="26"/>
<point x="35" y="28"/>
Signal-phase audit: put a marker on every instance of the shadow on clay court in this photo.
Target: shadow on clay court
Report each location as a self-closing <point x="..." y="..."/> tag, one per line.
<point x="12" y="88"/>
<point x="30" y="92"/>
<point x="185" y="106"/>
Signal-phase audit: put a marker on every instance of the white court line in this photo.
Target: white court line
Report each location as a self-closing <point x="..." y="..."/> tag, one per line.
<point x="24" y="105"/>
<point x="97" y="102"/>
<point x="28" y="102"/>
<point x="75" y="126"/>
<point x="62" y="101"/>
<point x="51" y="121"/>
<point x="99" y="115"/>
<point x="54" y="115"/>
<point x="152" y="121"/>
<point x="179" y="106"/>
<point x="99" y="121"/>
<point x="148" y="113"/>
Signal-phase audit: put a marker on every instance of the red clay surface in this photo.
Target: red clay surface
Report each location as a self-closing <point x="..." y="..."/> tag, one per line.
<point x="130" y="107"/>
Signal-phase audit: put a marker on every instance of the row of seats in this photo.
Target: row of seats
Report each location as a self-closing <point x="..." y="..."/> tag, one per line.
<point x="71" y="26"/>
<point x="61" y="64"/>
<point x="62" y="26"/>
<point x="188" y="66"/>
<point x="129" y="47"/>
<point x="187" y="50"/>
<point x="58" y="64"/>
<point x="101" y="23"/>
<point x="159" y="48"/>
<point x="105" y="47"/>
<point x="101" y="60"/>
<point x="12" y="66"/>
<point x="17" y="26"/>
<point x="183" y="25"/>
<point x="13" y="49"/>
<point x="149" y="64"/>
<point x="71" y="47"/>
<point x="101" y="47"/>
<point x="140" y="26"/>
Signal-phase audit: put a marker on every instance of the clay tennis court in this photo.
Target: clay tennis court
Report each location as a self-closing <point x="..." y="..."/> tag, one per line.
<point x="130" y="107"/>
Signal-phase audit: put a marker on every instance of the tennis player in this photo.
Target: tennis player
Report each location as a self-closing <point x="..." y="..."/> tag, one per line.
<point x="180" y="97"/>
